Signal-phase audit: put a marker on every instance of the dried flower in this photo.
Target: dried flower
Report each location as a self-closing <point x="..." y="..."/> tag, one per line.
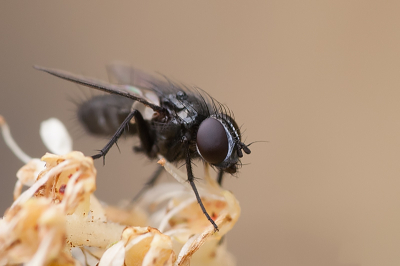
<point x="60" y="213"/>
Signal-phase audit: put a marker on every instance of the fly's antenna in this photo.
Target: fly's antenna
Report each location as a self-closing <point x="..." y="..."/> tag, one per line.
<point x="241" y="146"/>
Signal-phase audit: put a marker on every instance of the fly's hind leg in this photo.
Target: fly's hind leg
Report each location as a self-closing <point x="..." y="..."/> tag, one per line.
<point x="149" y="184"/>
<point x="142" y="130"/>
<point x="146" y="145"/>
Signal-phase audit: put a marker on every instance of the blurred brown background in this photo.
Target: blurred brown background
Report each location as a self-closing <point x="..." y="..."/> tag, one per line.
<point x="319" y="80"/>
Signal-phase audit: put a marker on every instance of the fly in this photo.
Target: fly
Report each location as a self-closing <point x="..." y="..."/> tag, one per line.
<point x="180" y="123"/>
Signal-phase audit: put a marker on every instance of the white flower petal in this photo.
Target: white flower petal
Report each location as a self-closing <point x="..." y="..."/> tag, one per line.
<point x="55" y="136"/>
<point x="114" y="256"/>
<point x="67" y="185"/>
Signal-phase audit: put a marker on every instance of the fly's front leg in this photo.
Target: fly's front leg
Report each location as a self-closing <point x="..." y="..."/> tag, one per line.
<point x="220" y="177"/>
<point x="142" y="129"/>
<point x="191" y="181"/>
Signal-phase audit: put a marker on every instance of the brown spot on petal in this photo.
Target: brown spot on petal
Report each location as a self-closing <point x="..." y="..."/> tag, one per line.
<point x="220" y="204"/>
<point x="62" y="189"/>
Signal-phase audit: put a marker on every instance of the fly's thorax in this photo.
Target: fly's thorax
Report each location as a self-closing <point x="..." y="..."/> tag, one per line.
<point x="180" y="106"/>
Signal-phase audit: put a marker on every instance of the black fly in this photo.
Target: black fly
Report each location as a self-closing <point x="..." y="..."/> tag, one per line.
<point x="179" y="123"/>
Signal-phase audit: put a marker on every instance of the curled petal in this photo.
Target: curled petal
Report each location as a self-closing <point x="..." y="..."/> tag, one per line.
<point x="140" y="246"/>
<point x="5" y="130"/>
<point x="35" y="233"/>
<point x="114" y="256"/>
<point x="27" y="175"/>
<point x="68" y="180"/>
<point x="225" y="222"/>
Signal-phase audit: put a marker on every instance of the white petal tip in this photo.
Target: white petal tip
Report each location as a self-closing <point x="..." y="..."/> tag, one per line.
<point x="55" y="136"/>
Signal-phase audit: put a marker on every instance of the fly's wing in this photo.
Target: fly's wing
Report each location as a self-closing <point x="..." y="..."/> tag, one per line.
<point x="139" y="81"/>
<point x="121" y="73"/>
<point x="122" y="90"/>
<point x="155" y="88"/>
<point x="198" y="102"/>
<point x="124" y="74"/>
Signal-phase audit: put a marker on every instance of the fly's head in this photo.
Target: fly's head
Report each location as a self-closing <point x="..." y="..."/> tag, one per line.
<point x="219" y="142"/>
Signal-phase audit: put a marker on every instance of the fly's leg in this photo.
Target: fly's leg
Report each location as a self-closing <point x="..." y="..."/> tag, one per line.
<point x="149" y="184"/>
<point x="146" y="143"/>
<point x="220" y="177"/>
<point x="191" y="181"/>
<point x="143" y="132"/>
<point x="219" y="180"/>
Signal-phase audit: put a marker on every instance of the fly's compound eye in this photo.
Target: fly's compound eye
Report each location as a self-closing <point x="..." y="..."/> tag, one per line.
<point x="212" y="141"/>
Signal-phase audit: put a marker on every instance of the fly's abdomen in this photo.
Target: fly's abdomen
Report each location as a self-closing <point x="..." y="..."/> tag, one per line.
<point x="103" y="114"/>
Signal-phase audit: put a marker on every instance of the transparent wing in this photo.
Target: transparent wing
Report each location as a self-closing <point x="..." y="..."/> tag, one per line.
<point x="127" y="90"/>
<point x="137" y="80"/>
<point x="162" y="86"/>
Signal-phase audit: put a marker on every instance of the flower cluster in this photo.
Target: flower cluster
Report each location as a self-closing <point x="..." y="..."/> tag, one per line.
<point x="59" y="221"/>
